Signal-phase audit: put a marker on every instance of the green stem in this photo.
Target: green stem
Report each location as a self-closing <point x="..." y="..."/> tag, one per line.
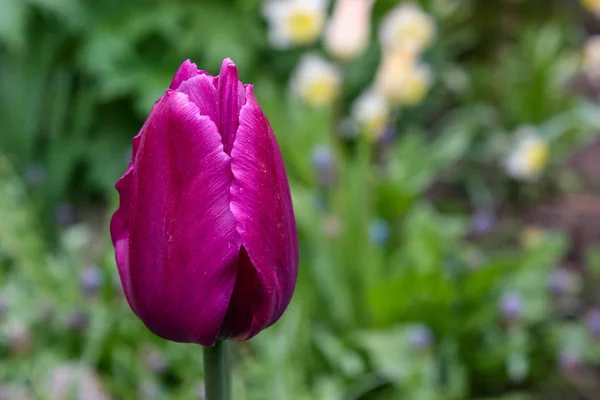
<point x="216" y="372"/>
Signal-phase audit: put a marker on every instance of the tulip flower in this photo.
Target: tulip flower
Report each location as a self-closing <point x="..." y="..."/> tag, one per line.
<point x="205" y="236"/>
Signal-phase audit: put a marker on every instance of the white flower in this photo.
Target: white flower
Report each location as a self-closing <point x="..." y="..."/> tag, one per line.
<point x="591" y="58"/>
<point x="295" y="22"/>
<point x="529" y="155"/>
<point x="406" y="26"/>
<point x="372" y="112"/>
<point x="316" y="81"/>
<point x="347" y="34"/>
<point x="402" y="79"/>
<point x="592" y="6"/>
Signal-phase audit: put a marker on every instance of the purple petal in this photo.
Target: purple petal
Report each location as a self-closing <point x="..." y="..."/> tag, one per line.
<point x="231" y="98"/>
<point x="119" y="224"/>
<point x="186" y="71"/>
<point x="203" y="93"/>
<point x="262" y="206"/>
<point x="119" y="231"/>
<point x="181" y="273"/>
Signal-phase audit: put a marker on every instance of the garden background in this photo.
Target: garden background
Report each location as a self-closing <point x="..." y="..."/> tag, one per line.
<point x="444" y="163"/>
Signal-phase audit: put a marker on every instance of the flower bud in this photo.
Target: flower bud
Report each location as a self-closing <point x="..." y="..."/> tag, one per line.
<point x="205" y="236"/>
<point x="347" y="34"/>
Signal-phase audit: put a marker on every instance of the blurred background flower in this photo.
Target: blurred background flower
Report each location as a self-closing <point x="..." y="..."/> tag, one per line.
<point x="316" y="80"/>
<point x="591" y="58"/>
<point x="348" y="32"/>
<point x="406" y="27"/>
<point x="372" y="112"/>
<point x="295" y="22"/>
<point x="592" y="6"/>
<point x="528" y="156"/>
<point x="402" y="79"/>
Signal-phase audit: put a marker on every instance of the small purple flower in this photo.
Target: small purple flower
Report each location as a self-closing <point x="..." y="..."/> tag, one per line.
<point x="420" y="337"/>
<point x="482" y="222"/>
<point x="593" y="323"/>
<point x="564" y="282"/>
<point x="379" y="232"/>
<point x="35" y="175"/>
<point x="559" y="282"/>
<point x="91" y="279"/>
<point x="323" y="163"/>
<point x="65" y="214"/>
<point x="390" y="131"/>
<point x="77" y="321"/>
<point x="569" y="361"/>
<point x="511" y="306"/>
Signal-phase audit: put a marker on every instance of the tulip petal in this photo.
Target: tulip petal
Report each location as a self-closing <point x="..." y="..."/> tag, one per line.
<point x="186" y="71"/>
<point x="203" y="93"/>
<point x="184" y="273"/>
<point x="231" y="98"/>
<point x="262" y="206"/>
<point x="119" y="224"/>
<point x="119" y="230"/>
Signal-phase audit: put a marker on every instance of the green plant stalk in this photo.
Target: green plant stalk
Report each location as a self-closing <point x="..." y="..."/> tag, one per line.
<point x="216" y="372"/>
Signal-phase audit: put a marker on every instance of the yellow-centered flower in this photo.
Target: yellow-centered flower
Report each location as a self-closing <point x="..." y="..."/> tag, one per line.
<point x="295" y="22"/>
<point x="406" y="26"/>
<point x="316" y="81"/>
<point x="372" y="112"/>
<point x="529" y="155"/>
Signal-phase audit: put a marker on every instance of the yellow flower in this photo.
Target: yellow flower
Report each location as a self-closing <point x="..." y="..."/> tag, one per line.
<point x="347" y="34"/>
<point x="372" y="112"/>
<point x="295" y="22"/>
<point x="402" y="79"/>
<point x="529" y="156"/>
<point x="591" y="5"/>
<point x="316" y="81"/>
<point x="406" y="26"/>
<point x="591" y="58"/>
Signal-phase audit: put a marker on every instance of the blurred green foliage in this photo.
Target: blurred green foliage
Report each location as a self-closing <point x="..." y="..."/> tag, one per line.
<point x="415" y="314"/>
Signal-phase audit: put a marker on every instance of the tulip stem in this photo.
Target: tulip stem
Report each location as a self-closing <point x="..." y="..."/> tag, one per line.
<point x="216" y="372"/>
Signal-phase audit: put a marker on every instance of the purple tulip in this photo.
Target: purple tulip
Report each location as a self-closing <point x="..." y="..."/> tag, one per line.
<point x="205" y="236"/>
